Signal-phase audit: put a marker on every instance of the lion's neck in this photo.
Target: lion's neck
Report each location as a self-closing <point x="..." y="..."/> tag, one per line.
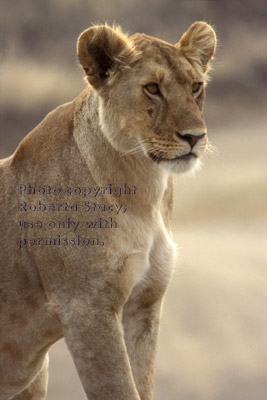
<point x="107" y="165"/>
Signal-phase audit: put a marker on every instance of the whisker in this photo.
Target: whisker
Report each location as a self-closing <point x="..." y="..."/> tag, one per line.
<point x="134" y="150"/>
<point x="211" y="148"/>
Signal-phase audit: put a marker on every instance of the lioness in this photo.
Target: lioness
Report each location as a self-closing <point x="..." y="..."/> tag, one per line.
<point x="86" y="248"/>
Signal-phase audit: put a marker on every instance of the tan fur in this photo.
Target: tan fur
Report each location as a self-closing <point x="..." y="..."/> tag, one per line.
<point x="135" y="123"/>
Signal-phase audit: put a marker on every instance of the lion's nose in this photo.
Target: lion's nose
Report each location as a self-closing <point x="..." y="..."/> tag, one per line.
<point x="191" y="139"/>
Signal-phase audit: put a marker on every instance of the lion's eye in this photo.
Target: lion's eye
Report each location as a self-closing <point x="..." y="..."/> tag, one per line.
<point x="196" y="88"/>
<point x="153" y="88"/>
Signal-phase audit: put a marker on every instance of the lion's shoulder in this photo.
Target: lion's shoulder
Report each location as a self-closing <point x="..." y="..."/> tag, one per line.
<point x="51" y="134"/>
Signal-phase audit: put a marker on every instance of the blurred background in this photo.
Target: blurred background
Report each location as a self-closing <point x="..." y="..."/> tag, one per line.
<point x="213" y="342"/>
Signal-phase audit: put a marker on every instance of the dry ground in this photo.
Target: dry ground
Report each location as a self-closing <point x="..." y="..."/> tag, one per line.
<point x="213" y="342"/>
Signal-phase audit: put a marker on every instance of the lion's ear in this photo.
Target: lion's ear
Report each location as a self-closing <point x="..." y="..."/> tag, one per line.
<point x="198" y="44"/>
<point x="102" y="50"/>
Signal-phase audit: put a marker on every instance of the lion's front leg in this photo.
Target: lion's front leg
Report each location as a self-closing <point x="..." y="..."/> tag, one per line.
<point x="95" y="339"/>
<point x="38" y="387"/>
<point x="142" y="312"/>
<point x="141" y="324"/>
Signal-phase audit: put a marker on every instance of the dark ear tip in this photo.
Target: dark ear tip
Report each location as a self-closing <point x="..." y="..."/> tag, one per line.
<point x="82" y="42"/>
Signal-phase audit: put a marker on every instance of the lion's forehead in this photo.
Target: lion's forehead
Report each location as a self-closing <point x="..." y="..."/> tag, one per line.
<point x="164" y="59"/>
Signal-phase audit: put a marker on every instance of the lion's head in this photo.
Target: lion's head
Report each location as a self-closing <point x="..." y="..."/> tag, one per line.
<point x="151" y="93"/>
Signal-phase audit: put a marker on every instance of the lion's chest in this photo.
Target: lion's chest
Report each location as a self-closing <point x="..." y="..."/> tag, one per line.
<point x="153" y="252"/>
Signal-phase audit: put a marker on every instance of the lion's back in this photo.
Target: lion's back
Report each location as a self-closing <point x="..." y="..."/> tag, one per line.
<point x="40" y="159"/>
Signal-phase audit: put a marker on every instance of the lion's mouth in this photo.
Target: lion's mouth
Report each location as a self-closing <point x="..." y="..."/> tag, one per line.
<point x="185" y="157"/>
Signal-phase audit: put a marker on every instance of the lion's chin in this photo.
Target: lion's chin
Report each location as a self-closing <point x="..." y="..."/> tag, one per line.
<point x="181" y="165"/>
